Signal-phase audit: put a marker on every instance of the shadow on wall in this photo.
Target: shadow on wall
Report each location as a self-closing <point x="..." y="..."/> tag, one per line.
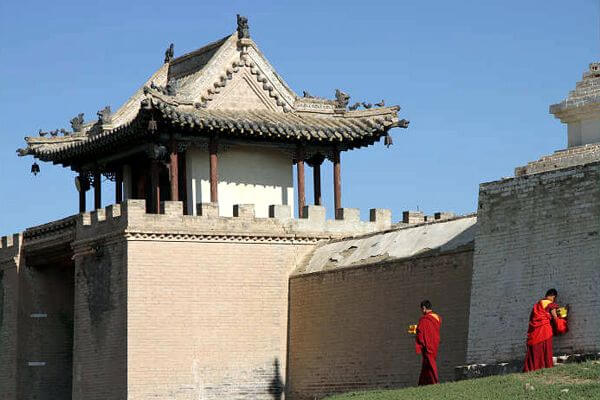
<point x="276" y="386"/>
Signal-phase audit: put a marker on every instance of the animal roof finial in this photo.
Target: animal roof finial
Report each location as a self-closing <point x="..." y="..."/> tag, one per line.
<point x="170" y="53"/>
<point x="242" y="27"/>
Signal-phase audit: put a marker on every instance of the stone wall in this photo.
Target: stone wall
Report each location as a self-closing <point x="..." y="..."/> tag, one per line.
<point x="348" y="322"/>
<point x="536" y="232"/>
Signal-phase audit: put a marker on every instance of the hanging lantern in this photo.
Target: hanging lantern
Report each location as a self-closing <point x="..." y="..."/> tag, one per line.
<point x="388" y="140"/>
<point x="35" y="168"/>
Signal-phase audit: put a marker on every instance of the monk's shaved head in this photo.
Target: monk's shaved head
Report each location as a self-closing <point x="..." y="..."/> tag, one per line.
<point x="426" y="304"/>
<point x="552" y="292"/>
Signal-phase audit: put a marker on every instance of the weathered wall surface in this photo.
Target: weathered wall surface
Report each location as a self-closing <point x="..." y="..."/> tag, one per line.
<point x="208" y="320"/>
<point x="9" y="314"/>
<point x="536" y="232"/>
<point x="100" y="326"/>
<point x="45" y="332"/>
<point x="348" y="323"/>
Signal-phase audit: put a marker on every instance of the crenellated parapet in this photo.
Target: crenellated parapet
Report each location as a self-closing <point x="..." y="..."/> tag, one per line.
<point x="10" y="247"/>
<point x="245" y="226"/>
<point x="131" y="220"/>
<point x="102" y="222"/>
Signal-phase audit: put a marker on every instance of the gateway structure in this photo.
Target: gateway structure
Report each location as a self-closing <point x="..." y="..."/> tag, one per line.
<point x="198" y="283"/>
<point x="180" y="288"/>
<point x="217" y="125"/>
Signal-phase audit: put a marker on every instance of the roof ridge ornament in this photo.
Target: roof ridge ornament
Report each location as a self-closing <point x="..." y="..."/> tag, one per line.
<point x="105" y="116"/>
<point x="77" y="123"/>
<point x="243" y="30"/>
<point x="170" y="89"/>
<point x="341" y="100"/>
<point x="170" y="53"/>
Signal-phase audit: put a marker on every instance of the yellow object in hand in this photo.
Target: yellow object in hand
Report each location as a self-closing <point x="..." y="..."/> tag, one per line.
<point x="412" y="329"/>
<point x="562" y="312"/>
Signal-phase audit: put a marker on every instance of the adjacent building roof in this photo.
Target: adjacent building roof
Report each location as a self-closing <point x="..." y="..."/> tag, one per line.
<point x="226" y="87"/>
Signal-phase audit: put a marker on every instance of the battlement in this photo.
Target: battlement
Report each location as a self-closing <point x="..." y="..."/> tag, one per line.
<point x="131" y="219"/>
<point x="10" y="246"/>
<point x="418" y="217"/>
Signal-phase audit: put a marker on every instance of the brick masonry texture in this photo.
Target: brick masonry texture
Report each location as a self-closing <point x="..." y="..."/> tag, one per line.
<point x="208" y="320"/>
<point x="173" y="306"/>
<point x="348" y="327"/>
<point x="100" y="329"/>
<point x="536" y="232"/>
<point x="9" y="308"/>
<point x="45" y="289"/>
<point x="573" y="156"/>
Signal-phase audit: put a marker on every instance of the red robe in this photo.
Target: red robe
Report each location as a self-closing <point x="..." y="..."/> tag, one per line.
<point x="539" y="337"/>
<point x="427" y="343"/>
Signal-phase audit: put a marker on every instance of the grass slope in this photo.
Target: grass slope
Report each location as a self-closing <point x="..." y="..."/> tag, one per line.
<point x="582" y="381"/>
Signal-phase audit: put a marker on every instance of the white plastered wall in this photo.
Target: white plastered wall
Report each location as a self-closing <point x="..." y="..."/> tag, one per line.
<point x="584" y="132"/>
<point x="247" y="175"/>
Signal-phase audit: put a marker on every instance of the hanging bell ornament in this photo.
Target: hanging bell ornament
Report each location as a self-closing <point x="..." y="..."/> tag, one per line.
<point x="152" y="126"/>
<point x="35" y="169"/>
<point x="388" y="140"/>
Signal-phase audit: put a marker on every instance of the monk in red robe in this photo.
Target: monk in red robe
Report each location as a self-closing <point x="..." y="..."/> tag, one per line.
<point x="543" y="322"/>
<point x="427" y="342"/>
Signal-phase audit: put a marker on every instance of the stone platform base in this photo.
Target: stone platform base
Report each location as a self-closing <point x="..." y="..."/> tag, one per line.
<point x="471" y="371"/>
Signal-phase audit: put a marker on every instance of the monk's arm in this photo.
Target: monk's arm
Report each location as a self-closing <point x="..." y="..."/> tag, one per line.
<point x="553" y="313"/>
<point x="420" y="339"/>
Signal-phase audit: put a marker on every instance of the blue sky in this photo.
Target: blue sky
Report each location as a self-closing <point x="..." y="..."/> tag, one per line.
<point x="475" y="78"/>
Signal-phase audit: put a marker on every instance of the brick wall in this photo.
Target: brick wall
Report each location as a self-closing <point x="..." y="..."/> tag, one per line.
<point x="208" y="320"/>
<point x="45" y="332"/>
<point x="348" y="326"/>
<point x="9" y="306"/>
<point x="100" y="326"/>
<point x="536" y="232"/>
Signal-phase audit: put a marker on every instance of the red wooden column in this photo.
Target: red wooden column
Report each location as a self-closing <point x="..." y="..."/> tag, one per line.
<point x="337" y="180"/>
<point x="83" y="187"/>
<point x="317" y="180"/>
<point x="119" y="186"/>
<point x="155" y="187"/>
<point x="97" y="190"/>
<point x="183" y="181"/>
<point x="174" y="170"/>
<point x="301" y="186"/>
<point x="214" y="172"/>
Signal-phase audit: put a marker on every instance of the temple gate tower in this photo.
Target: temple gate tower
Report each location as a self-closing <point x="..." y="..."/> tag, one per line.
<point x="179" y="289"/>
<point x="217" y="125"/>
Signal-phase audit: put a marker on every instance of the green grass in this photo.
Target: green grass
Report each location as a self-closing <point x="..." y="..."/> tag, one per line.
<point x="581" y="380"/>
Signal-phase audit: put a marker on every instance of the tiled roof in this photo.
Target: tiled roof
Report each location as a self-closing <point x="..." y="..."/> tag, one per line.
<point x="347" y="131"/>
